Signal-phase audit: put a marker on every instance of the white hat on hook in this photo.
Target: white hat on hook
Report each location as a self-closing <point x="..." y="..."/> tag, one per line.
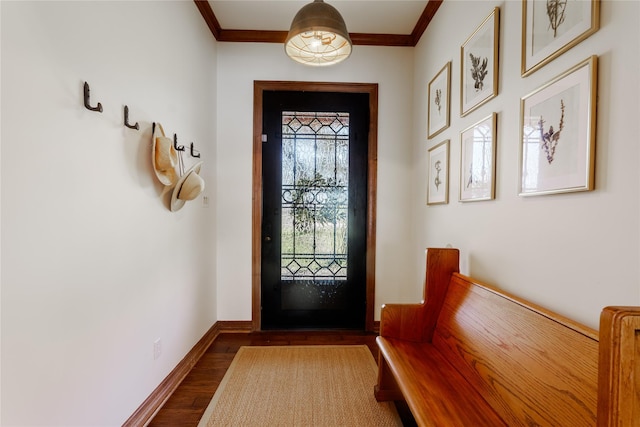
<point x="163" y="156"/>
<point x="189" y="186"/>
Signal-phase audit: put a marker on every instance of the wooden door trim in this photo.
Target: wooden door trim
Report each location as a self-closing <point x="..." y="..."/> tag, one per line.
<point x="372" y="178"/>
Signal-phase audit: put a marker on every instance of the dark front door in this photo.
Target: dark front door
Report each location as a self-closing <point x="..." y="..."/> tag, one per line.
<point x="314" y="165"/>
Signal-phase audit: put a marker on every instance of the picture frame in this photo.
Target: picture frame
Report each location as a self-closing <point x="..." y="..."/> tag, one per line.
<point x="438" y="176"/>
<point x="558" y="132"/>
<point x="439" y="106"/>
<point x="551" y="28"/>
<point x="478" y="160"/>
<point x="479" y="64"/>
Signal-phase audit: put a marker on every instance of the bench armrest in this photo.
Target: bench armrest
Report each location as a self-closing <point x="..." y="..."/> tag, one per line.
<point x="619" y="367"/>
<point x="416" y="322"/>
<point x="402" y="321"/>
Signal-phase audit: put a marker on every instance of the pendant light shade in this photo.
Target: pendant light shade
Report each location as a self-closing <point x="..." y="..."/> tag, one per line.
<point x="318" y="36"/>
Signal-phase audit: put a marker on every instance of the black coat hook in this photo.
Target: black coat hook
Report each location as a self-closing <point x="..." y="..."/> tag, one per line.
<point x="126" y="120"/>
<point x="194" y="153"/>
<point x="86" y="100"/>
<point x="175" y="143"/>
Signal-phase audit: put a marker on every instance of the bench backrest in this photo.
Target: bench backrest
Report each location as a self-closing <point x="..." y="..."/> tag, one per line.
<point x="533" y="366"/>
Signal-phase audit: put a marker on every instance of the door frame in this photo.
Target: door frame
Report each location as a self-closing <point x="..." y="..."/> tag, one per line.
<point x="259" y="86"/>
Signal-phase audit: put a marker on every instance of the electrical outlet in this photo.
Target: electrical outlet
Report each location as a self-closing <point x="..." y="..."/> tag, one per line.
<point x="205" y="201"/>
<point x="157" y="349"/>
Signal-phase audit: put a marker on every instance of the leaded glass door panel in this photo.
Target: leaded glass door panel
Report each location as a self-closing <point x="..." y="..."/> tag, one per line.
<point x="314" y="207"/>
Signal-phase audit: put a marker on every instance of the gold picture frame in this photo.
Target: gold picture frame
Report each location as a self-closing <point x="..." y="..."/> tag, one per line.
<point x="550" y="28"/>
<point x="439" y="102"/>
<point x="479" y="64"/>
<point x="438" y="175"/>
<point x="478" y="160"/>
<point x="558" y="133"/>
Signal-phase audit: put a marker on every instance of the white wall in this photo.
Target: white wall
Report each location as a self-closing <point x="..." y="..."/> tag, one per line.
<point x="239" y="65"/>
<point x="95" y="267"/>
<point x="574" y="253"/>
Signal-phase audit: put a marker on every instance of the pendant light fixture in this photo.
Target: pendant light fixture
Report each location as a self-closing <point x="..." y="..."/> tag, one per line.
<point x="318" y="36"/>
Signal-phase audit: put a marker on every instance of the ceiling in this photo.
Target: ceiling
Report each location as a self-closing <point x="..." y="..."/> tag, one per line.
<point x="369" y="22"/>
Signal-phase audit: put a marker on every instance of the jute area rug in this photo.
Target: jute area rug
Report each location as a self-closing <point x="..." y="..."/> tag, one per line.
<point x="300" y="386"/>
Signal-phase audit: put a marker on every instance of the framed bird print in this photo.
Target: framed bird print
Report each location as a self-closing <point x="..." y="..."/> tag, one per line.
<point x="479" y="64"/>
<point x="557" y="133"/>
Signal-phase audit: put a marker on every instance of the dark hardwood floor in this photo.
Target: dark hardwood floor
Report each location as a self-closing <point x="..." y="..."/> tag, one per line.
<point x="187" y="404"/>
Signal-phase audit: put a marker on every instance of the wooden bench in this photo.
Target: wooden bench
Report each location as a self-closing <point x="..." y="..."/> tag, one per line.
<point x="472" y="355"/>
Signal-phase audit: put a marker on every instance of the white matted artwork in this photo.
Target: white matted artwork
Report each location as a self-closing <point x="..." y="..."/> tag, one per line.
<point x="439" y="101"/>
<point x="557" y="133"/>
<point x="478" y="160"/>
<point x="438" y="177"/>
<point x="551" y="27"/>
<point x="479" y="64"/>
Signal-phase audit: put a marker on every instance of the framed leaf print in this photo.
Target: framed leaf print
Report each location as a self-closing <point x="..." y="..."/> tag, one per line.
<point x="438" y="180"/>
<point x="557" y="133"/>
<point x="439" y="102"/>
<point x="551" y="27"/>
<point x="478" y="160"/>
<point x="479" y="64"/>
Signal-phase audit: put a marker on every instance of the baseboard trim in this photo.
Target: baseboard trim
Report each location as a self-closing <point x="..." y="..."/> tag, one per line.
<point x="241" y="326"/>
<point x="145" y="413"/>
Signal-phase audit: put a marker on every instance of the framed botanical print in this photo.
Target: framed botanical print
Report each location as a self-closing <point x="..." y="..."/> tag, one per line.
<point x="438" y="109"/>
<point x="557" y="133"/>
<point x="551" y="27"/>
<point x="438" y="177"/>
<point x="479" y="64"/>
<point x="478" y="160"/>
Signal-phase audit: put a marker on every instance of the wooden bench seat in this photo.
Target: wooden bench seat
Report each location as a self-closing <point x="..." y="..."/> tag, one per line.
<point x="472" y="355"/>
<point x="433" y="393"/>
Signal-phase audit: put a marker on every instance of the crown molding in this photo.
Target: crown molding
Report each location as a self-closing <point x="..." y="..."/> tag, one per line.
<point x="362" y="39"/>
